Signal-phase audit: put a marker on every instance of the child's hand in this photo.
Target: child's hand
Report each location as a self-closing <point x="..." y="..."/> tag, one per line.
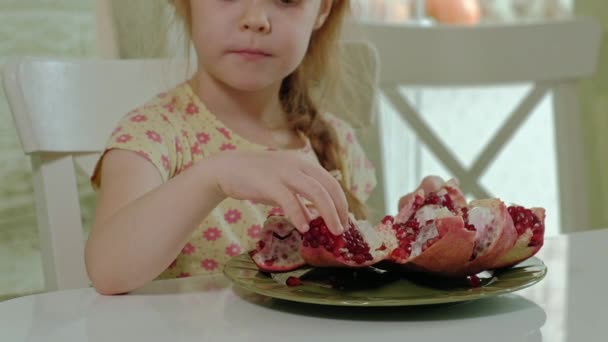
<point x="277" y="178"/>
<point x="428" y="184"/>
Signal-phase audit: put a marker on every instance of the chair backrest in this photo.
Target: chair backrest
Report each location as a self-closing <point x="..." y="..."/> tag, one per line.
<point x="64" y="112"/>
<point x="553" y="55"/>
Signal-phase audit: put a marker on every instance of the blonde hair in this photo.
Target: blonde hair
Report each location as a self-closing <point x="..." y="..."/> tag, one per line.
<point x="320" y="68"/>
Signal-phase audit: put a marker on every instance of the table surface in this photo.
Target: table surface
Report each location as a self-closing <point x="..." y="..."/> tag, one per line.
<point x="570" y="304"/>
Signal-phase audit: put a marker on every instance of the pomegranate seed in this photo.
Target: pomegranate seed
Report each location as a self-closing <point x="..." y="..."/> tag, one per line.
<point x="323" y="239"/>
<point x="293" y="281"/>
<point x="359" y="258"/>
<point x="351" y="240"/>
<point x="399" y="254"/>
<point x="474" y="281"/>
<point x="432" y="198"/>
<point x="448" y="203"/>
<point x="387" y="219"/>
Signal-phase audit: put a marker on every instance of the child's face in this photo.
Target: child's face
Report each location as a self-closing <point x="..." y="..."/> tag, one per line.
<point x="252" y="44"/>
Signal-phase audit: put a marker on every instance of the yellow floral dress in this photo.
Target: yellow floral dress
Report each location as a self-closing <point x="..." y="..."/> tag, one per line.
<point x="173" y="131"/>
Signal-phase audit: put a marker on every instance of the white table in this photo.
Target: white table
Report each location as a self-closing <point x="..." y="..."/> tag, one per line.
<point x="570" y="304"/>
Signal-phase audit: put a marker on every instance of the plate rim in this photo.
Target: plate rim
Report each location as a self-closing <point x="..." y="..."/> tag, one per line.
<point x="479" y="294"/>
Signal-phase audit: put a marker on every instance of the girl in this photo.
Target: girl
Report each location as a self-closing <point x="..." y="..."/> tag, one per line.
<point x="187" y="179"/>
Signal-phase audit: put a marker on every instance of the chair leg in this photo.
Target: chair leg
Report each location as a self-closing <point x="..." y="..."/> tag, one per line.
<point x="571" y="161"/>
<point x="59" y="222"/>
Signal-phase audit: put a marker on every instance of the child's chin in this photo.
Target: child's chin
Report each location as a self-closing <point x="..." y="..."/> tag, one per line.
<point x="251" y="83"/>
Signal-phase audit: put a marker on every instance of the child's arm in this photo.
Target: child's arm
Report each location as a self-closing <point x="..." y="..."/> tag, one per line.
<point x="141" y="224"/>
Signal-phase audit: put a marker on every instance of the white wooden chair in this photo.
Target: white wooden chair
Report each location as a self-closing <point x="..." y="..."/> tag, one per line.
<point x="64" y="112"/>
<point x="553" y="56"/>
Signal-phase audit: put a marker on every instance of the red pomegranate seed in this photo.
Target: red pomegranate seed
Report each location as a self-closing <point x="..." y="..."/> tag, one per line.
<point x="432" y="198"/>
<point x="474" y="281"/>
<point x="293" y="281"/>
<point x="525" y="219"/>
<point x="448" y="203"/>
<point x="387" y="219"/>
<point x="399" y="254"/>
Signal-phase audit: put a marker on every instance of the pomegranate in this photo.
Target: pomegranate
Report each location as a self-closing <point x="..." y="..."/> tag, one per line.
<point x="530" y="227"/>
<point x="283" y="248"/>
<point x="431" y="234"/>
<point x="278" y="248"/>
<point x="494" y="233"/>
<point x="435" y="232"/>
<point x="360" y="245"/>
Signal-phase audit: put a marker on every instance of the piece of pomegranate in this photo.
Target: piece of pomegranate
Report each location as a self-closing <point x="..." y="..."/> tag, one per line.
<point x="530" y="227"/>
<point x="283" y="248"/>
<point x="433" y="238"/>
<point x="494" y="233"/>
<point x="360" y="245"/>
<point x="278" y="249"/>
<point x="447" y="194"/>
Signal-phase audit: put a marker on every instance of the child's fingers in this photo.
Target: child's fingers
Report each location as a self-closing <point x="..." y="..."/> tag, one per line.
<point x="333" y="187"/>
<point x="293" y="209"/>
<point x="312" y="190"/>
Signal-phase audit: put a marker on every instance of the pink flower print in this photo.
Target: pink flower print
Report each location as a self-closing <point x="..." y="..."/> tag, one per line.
<point x="232" y="216"/>
<point x="188" y="249"/>
<point x="368" y="188"/>
<point x="170" y="107"/>
<point x="192" y="109"/>
<point x="368" y="164"/>
<point x="116" y="130"/>
<point x="187" y="166"/>
<point x="233" y="249"/>
<point x="227" y="147"/>
<point x="152" y="135"/>
<point x="209" y="264"/>
<point x="349" y="138"/>
<point x="196" y="149"/>
<point x="224" y="131"/>
<point x="276" y="211"/>
<point x="143" y="154"/>
<point x="184" y="133"/>
<point x="173" y="264"/>
<point x="162" y="95"/>
<point x="212" y="234"/>
<point x="178" y="146"/>
<point x="125" y="138"/>
<point x="202" y="138"/>
<point x="254" y="231"/>
<point x="254" y="202"/>
<point x="184" y="275"/>
<point x="165" y="161"/>
<point x="139" y="118"/>
<point x="354" y="188"/>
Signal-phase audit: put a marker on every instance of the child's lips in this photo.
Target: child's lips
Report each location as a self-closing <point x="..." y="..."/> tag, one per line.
<point x="251" y="54"/>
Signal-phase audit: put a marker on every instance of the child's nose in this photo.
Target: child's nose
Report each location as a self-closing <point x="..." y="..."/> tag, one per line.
<point x="255" y="18"/>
